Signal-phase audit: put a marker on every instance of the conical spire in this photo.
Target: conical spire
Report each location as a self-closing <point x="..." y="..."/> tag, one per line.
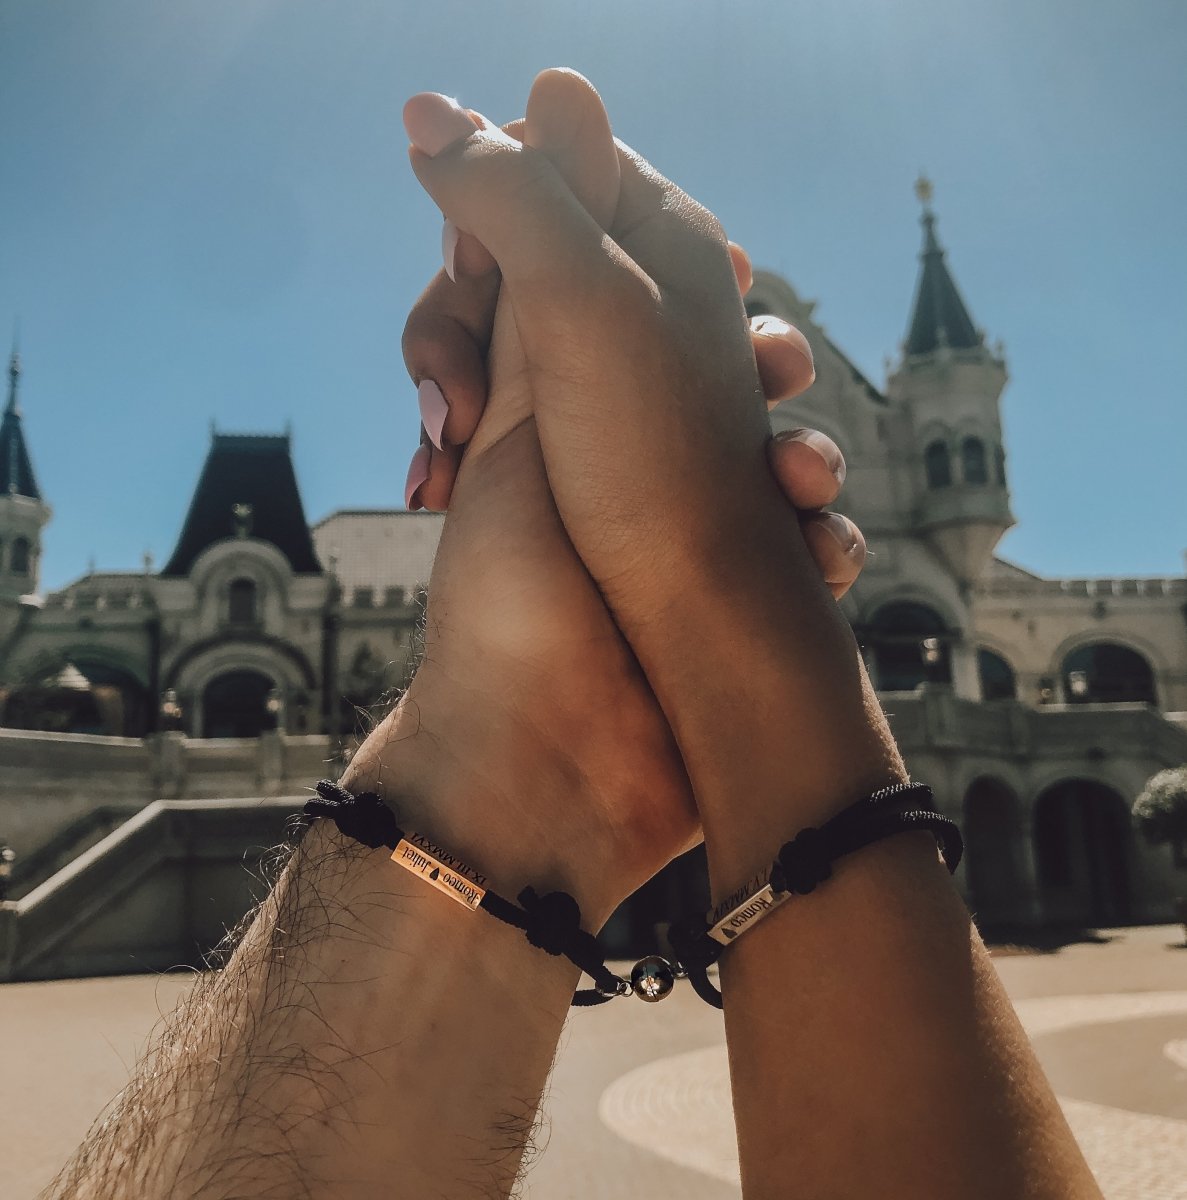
<point x="939" y="316"/>
<point x="16" y="468"/>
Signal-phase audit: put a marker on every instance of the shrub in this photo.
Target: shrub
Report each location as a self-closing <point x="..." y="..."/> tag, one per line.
<point x="1160" y="812"/>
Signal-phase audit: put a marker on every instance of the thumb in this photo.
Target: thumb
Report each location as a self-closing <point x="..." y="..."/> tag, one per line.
<point x="550" y="250"/>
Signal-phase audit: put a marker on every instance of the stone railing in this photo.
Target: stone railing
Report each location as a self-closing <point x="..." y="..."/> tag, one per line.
<point x="50" y="782"/>
<point x="1095" y="588"/>
<point x="934" y="718"/>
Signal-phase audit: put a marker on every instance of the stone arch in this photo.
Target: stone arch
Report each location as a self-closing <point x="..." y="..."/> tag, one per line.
<point x="82" y="692"/>
<point x="1083" y="841"/>
<point x="999" y="681"/>
<point x="20" y="555"/>
<point x="974" y="461"/>
<point x="234" y="704"/>
<point x="937" y="464"/>
<point x="909" y="643"/>
<point x="995" y="847"/>
<point x="1107" y="671"/>
<point x="243" y="601"/>
<point x="286" y="668"/>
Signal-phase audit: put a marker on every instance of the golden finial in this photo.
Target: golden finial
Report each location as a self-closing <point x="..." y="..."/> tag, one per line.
<point x="923" y="190"/>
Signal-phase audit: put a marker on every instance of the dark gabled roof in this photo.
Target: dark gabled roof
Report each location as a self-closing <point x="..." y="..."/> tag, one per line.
<point x="246" y="469"/>
<point x="939" y="316"/>
<point x="16" y="468"/>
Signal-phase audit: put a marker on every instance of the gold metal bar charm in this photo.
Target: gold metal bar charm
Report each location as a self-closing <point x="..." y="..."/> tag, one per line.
<point x="753" y="908"/>
<point x="447" y="874"/>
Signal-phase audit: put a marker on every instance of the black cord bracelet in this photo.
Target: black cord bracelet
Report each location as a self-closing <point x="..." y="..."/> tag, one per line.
<point x="551" y="922"/>
<point x="802" y="864"/>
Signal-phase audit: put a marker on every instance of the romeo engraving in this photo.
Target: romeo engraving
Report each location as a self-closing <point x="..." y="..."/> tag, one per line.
<point x="753" y="908"/>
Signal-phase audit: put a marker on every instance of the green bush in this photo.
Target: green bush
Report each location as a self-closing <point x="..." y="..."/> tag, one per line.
<point x="1160" y="812"/>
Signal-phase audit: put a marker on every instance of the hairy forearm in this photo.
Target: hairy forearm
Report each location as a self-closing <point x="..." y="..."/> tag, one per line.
<point x="367" y="1036"/>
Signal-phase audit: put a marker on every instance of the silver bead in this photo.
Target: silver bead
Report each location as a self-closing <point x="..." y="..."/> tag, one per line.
<point x="652" y="978"/>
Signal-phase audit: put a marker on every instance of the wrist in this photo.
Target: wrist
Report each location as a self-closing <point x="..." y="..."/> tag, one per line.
<point x="477" y="779"/>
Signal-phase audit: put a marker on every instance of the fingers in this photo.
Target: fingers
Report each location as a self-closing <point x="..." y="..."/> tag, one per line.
<point x="743" y="271"/>
<point x="784" y="358"/>
<point x="808" y="466"/>
<point x="837" y="547"/>
<point x="445" y="342"/>
<point x="567" y="121"/>
<point x="509" y="197"/>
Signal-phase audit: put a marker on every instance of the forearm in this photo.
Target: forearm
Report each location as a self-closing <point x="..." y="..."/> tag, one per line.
<point x="874" y="1052"/>
<point x="872" y="1048"/>
<point x="368" y="1036"/>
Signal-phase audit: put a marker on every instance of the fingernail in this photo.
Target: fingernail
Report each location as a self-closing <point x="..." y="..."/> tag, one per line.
<point x="434" y="122"/>
<point x="418" y="474"/>
<point x="822" y="444"/>
<point x="434" y="408"/>
<point x="840" y="528"/>
<point x="449" y="236"/>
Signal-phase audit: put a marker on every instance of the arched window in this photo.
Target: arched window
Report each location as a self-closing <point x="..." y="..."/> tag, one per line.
<point x="1107" y="673"/>
<point x="20" y="556"/>
<point x="938" y="465"/>
<point x="972" y="461"/>
<point x="241" y="602"/>
<point x="999" y="465"/>
<point x="909" y="643"/>
<point x="997" y="677"/>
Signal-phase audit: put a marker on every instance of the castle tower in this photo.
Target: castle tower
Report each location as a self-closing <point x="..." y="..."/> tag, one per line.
<point x="23" y="513"/>
<point x="951" y="383"/>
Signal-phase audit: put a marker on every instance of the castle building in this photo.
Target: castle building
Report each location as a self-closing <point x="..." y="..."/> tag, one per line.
<point x="1036" y="707"/>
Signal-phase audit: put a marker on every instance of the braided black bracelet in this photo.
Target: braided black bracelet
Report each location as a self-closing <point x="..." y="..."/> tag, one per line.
<point x="801" y="865"/>
<point x="551" y="922"/>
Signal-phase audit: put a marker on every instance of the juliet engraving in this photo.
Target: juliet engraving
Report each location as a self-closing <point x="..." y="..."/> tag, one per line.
<point x="446" y="873"/>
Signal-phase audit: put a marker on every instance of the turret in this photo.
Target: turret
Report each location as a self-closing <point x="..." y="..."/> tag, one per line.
<point x="951" y="384"/>
<point x="23" y="513"/>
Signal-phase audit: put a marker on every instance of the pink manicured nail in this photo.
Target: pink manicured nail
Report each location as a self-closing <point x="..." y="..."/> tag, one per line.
<point x="418" y="473"/>
<point x="840" y="528"/>
<point x="449" y="236"/>
<point x="434" y="122"/>
<point x="434" y="408"/>
<point x="822" y="444"/>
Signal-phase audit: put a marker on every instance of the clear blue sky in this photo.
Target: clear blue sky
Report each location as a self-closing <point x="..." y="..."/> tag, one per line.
<point x="206" y="213"/>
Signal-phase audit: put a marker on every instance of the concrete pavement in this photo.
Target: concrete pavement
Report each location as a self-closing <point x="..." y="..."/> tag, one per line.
<point x="639" y="1101"/>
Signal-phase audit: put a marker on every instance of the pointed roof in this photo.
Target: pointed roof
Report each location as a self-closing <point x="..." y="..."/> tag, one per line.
<point x="939" y="316"/>
<point x="247" y="487"/>
<point x="16" y="468"/>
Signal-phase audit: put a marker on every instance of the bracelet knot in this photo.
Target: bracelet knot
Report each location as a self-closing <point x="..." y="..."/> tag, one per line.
<point x="553" y="920"/>
<point x="365" y="818"/>
<point x="803" y="863"/>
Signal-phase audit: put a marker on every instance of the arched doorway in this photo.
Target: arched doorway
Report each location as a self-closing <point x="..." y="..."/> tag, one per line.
<point x="909" y="645"/>
<point x="1083" y="840"/>
<point x="1107" y="673"/>
<point x="997" y="676"/>
<point x="81" y="696"/>
<point x="235" y="704"/>
<point x="994" y="836"/>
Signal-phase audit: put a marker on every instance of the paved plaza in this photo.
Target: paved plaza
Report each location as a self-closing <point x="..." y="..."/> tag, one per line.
<point x="639" y="1102"/>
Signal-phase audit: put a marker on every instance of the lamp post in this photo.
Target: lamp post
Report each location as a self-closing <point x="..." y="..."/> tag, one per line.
<point x="1077" y="683"/>
<point x="170" y="711"/>
<point x="274" y="707"/>
<point x="7" y="864"/>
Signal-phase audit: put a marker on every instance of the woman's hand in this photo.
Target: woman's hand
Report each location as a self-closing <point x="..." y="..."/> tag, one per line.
<point x="642" y="377"/>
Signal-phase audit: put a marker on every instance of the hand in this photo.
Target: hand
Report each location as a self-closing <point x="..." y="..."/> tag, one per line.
<point x="448" y="335"/>
<point x="645" y="389"/>
<point x="528" y="690"/>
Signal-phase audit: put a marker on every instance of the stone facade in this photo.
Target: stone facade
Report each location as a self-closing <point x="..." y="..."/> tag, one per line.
<point x="1036" y="707"/>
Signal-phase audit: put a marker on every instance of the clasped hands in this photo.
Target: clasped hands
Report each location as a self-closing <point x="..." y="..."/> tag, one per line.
<point x="631" y="634"/>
